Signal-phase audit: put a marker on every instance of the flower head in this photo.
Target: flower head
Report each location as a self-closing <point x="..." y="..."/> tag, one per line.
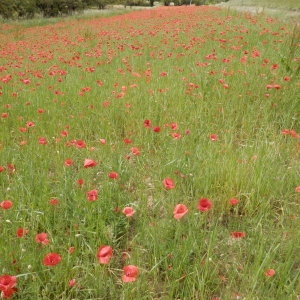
<point x="237" y="234"/>
<point x="7" y="285"/>
<point x="89" y="163"/>
<point x="130" y="273"/>
<point x="92" y="195"/>
<point x="6" y="204"/>
<point x="51" y="259"/>
<point x="104" y="254"/>
<point x="270" y="273"/>
<point x="128" y="211"/>
<point x="204" y="204"/>
<point x="168" y="183"/>
<point x="179" y="211"/>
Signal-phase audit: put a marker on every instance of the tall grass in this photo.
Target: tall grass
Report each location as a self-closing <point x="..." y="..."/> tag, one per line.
<point x="221" y="96"/>
<point x="289" y="4"/>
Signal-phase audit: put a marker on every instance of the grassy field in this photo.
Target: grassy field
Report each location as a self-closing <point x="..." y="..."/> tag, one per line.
<point x="288" y="4"/>
<point x="150" y="155"/>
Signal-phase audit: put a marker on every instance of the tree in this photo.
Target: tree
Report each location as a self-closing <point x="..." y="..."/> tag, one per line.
<point x="6" y="9"/>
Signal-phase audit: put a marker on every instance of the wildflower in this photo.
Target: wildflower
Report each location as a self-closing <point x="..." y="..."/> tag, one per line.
<point x="104" y="254"/>
<point x="80" y="182"/>
<point x="42" y="238"/>
<point x="6" y="204"/>
<point x="42" y="141"/>
<point x="270" y="273"/>
<point x="51" y="259"/>
<point x="68" y="162"/>
<point x="113" y="175"/>
<point x="179" y="211"/>
<point x="135" y="151"/>
<point x="176" y="135"/>
<point x="237" y="234"/>
<point x="168" y="183"/>
<point x="21" y="232"/>
<point x="128" y="211"/>
<point x="130" y="273"/>
<point x="88" y="163"/>
<point x="7" y="285"/>
<point x="213" y="137"/>
<point x="72" y="282"/>
<point x="204" y="204"/>
<point x="71" y="249"/>
<point x="156" y="129"/>
<point x="92" y="195"/>
<point x="30" y="124"/>
<point x="233" y="201"/>
<point x="147" y="123"/>
<point x="54" y="201"/>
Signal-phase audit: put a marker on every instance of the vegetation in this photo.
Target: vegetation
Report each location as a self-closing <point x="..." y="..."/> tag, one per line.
<point x="278" y="4"/>
<point x="16" y="9"/>
<point x="150" y="155"/>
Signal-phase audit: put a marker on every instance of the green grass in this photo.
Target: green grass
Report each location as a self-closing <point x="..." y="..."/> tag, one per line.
<point x="289" y="4"/>
<point x="209" y="72"/>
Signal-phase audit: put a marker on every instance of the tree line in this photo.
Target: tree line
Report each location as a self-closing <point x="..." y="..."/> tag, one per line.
<point x="15" y="9"/>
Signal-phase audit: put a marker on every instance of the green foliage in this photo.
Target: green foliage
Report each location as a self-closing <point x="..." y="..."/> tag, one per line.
<point x="17" y="8"/>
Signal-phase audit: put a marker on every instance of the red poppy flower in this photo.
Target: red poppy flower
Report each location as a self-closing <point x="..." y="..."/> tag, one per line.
<point x="130" y="273"/>
<point x="168" y="183"/>
<point x="270" y="273"/>
<point x="297" y="189"/>
<point x="2" y="169"/>
<point x="92" y="195"/>
<point x="204" y="204"/>
<point x="237" y="234"/>
<point x="147" y="123"/>
<point x="102" y="141"/>
<point x="128" y="211"/>
<point x="176" y="135"/>
<point x="179" y="211"/>
<point x="6" y="204"/>
<point x="21" y="232"/>
<point x="80" y="181"/>
<point x="213" y="137"/>
<point x="30" y="124"/>
<point x="156" y="129"/>
<point x="54" y="201"/>
<point x="113" y="175"/>
<point x="80" y="144"/>
<point x="135" y="151"/>
<point x="7" y="285"/>
<point x="72" y="282"/>
<point x="11" y="168"/>
<point x="127" y="141"/>
<point x="104" y="254"/>
<point x="42" y="238"/>
<point x="68" y="162"/>
<point x="64" y="133"/>
<point x="51" y="259"/>
<point x="88" y="163"/>
<point x="43" y="141"/>
<point x="233" y="201"/>
<point x="71" y="249"/>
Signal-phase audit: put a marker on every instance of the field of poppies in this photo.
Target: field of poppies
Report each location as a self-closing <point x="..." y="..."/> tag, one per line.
<point x="150" y="155"/>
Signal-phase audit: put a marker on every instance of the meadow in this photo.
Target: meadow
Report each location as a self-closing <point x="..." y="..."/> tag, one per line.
<point x="150" y="155"/>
